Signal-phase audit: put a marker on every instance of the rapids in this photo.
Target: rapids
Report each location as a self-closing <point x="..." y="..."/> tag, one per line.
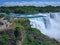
<point x="49" y="25"/>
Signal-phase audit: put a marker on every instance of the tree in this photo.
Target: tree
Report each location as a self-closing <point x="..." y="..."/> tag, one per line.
<point x="2" y="15"/>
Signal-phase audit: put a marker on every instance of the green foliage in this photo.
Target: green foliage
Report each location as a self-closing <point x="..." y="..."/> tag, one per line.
<point x="29" y="9"/>
<point x="4" y="39"/>
<point x="7" y="11"/>
<point x="35" y="37"/>
<point x="2" y="15"/>
<point x="21" y="9"/>
<point x="17" y="33"/>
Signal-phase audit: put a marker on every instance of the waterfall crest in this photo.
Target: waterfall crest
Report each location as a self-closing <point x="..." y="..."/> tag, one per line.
<point x="49" y="25"/>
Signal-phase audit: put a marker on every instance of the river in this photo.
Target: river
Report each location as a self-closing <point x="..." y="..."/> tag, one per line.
<point x="47" y="23"/>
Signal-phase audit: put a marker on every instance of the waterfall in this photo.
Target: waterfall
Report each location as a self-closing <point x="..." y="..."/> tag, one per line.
<point x="49" y="25"/>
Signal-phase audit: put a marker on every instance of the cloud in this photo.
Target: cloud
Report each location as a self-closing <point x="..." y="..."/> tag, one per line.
<point x="32" y="3"/>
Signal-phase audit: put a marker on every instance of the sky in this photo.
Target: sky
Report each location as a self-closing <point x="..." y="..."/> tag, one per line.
<point x="29" y="2"/>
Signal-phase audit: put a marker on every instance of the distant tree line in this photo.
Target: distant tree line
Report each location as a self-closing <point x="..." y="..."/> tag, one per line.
<point x="29" y="9"/>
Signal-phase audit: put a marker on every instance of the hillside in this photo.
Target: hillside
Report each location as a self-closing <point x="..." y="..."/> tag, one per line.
<point x="21" y="33"/>
<point x="29" y="9"/>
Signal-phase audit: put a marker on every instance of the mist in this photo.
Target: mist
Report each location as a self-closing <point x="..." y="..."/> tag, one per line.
<point x="49" y="25"/>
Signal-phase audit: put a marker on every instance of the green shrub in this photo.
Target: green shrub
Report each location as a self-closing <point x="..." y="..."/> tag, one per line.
<point x="4" y="39"/>
<point x="2" y="15"/>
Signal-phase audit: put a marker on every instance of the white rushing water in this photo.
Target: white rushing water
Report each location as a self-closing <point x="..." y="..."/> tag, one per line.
<point x="49" y="25"/>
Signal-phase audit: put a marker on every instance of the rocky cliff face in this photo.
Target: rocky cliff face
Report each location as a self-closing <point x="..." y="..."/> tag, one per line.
<point x="11" y="37"/>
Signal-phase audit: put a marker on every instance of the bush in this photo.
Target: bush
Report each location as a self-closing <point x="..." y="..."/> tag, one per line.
<point x="4" y="39"/>
<point x="2" y="15"/>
